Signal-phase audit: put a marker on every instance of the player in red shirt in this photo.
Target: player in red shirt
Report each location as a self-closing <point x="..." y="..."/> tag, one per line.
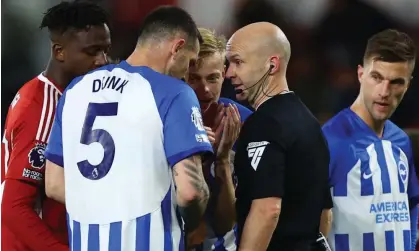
<point x="80" y="40"/>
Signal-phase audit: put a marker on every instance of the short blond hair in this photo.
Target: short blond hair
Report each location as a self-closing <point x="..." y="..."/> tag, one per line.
<point x="211" y="43"/>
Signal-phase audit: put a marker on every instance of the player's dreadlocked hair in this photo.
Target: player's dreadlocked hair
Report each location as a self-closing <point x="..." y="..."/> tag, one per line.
<point x="76" y="14"/>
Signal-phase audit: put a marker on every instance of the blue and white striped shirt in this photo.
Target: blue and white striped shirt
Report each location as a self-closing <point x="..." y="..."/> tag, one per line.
<point x="118" y="131"/>
<point x="228" y="241"/>
<point x="374" y="185"/>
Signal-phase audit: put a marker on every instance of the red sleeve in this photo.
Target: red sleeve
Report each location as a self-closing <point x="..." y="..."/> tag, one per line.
<point x="20" y="218"/>
<point x="24" y="176"/>
<point x="26" y="158"/>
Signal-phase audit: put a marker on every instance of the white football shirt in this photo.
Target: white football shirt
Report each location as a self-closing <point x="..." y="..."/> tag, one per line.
<point x="118" y="132"/>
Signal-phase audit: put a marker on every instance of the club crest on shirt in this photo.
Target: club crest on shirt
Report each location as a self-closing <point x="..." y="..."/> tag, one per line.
<point x="402" y="166"/>
<point x="36" y="156"/>
<point x="196" y="118"/>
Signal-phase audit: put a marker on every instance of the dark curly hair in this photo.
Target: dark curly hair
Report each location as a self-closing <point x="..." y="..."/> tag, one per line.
<point x="76" y="14"/>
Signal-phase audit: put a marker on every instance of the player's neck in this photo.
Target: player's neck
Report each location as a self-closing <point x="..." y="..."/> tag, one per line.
<point x="144" y="56"/>
<point x="359" y="108"/>
<point x="275" y="86"/>
<point x="57" y="75"/>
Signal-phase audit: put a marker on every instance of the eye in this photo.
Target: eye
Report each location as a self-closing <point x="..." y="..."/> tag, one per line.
<point x="212" y="79"/>
<point x="92" y="52"/>
<point x="193" y="78"/>
<point x="397" y="82"/>
<point x="376" y="77"/>
<point x="95" y="50"/>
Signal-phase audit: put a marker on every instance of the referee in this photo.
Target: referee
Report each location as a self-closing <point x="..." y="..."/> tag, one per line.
<point x="282" y="157"/>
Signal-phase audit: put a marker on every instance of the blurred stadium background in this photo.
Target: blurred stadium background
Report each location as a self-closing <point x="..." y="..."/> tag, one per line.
<point x="327" y="38"/>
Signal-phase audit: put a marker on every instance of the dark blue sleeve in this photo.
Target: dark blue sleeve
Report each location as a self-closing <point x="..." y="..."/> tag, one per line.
<point x="414" y="226"/>
<point x="413" y="185"/>
<point x="244" y="112"/>
<point x="54" y="151"/>
<point x="329" y="140"/>
<point x="184" y="132"/>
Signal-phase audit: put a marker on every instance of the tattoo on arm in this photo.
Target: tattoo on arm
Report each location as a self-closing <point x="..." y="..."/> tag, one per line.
<point x="195" y="175"/>
<point x="232" y="156"/>
<point x="192" y="211"/>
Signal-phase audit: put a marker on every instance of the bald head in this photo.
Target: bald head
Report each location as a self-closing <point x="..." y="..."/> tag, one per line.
<point x="258" y="55"/>
<point x="264" y="39"/>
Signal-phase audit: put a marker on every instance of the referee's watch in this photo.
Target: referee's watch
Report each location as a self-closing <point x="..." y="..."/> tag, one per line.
<point x="321" y="244"/>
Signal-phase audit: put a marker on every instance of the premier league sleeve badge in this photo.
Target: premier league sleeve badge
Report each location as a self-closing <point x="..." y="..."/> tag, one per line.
<point x="36" y="156"/>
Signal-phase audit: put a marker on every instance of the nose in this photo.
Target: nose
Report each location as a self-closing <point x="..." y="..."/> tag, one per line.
<point x="101" y="59"/>
<point x="385" y="89"/>
<point x="202" y="87"/>
<point x="206" y="88"/>
<point x="231" y="71"/>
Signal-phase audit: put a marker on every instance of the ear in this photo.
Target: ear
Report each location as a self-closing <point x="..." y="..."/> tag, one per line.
<point x="408" y="83"/>
<point x="178" y="45"/>
<point x="223" y="73"/>
<point x="58" y="52"/>
<point x="360" y="72"/>
<point x="274" y="65"/>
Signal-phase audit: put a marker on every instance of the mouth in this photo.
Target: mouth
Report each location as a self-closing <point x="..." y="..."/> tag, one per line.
<point x="237" y="86"/>
<point x="205" y="101"/>
<point x="382" y="105"/>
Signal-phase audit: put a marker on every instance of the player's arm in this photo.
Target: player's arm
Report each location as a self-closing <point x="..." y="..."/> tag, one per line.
<point x="191" y="190"/>
<point x="185" y="140"/>
<point x="326" y="216"/>
<point x="268" y="187"/>
<point x="414" y="215"/>
<point x="22" y="185"/>
<point x="413" y="193"/>
<point x="224" y="213"/>
<point x="54" y="173"/>
<point x="54" y="182"/>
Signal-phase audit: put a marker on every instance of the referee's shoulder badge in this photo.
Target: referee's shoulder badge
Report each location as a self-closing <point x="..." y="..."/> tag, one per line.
<point x="36" y="156"/>
<point x="255" y="151"/>
<point x="196" y="118"/>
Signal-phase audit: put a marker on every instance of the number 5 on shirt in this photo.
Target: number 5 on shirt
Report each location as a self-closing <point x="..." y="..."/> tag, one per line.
<point x="101" y="136"/>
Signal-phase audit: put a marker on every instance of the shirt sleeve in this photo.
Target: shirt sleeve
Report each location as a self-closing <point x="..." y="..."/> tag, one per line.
<point x="328" y="204"/>
<point x="20" y="218"/>
<point x="266" y="155"/>
<point x="184" y="132"/>
<point x="54" y="151"/>
<point x="414" y="226"/>
<point x="26" y="160"/>
<point x="413" y="185"/>
<point x="244" y="114"/>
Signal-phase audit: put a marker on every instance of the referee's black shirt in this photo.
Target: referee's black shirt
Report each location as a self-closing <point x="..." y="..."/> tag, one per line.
<point x="281" y="152"/>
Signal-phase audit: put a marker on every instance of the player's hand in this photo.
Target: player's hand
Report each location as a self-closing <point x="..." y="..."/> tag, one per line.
<point x="211" y="116"/>
<point x="197" y="236"/>
<point x="211" y="135"/>
<point x="218" y="125"/>
<point x="219" y="116"/>
<point x="230" y="131"/>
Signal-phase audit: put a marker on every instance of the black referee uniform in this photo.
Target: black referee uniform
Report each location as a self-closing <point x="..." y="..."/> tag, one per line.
<point x="281" y="152"/>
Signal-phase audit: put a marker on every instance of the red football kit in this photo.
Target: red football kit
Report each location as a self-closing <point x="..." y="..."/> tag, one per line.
<point x="30" y="221"/>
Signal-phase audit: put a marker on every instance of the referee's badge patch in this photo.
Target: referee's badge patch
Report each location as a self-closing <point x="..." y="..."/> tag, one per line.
<point x="36" y="156"/>
<point x="255" y="151"/>
<point x="196" y="118"/>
